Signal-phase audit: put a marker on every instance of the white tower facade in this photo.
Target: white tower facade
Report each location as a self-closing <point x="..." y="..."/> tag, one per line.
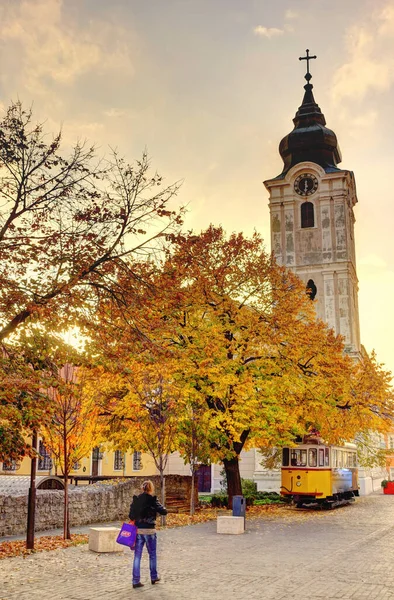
<point x="312" y="233"/>
<point x="312" y="220"/>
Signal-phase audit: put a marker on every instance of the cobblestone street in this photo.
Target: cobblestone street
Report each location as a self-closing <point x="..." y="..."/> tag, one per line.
<point x="347" y="553"/>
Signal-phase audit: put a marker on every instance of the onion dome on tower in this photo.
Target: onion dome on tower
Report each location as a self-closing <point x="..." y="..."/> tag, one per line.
<point x="310" y="139"/>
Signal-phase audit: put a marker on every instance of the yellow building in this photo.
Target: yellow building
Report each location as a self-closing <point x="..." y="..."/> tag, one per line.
<point x="100" y="462"/>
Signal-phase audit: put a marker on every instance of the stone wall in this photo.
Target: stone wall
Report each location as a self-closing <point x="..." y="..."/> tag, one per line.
<point x="97" y="503"/>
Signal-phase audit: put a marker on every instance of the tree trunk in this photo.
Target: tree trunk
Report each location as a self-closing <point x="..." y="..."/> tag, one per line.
<point x="66" y="522"/>
<point x="192" y="507"/>
<point x="163" y="491"/>
<point x="233" y="478"/>
<point x="31" y="507"/>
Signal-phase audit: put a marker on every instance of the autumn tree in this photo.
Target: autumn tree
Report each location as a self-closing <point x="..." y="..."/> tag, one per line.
<point x="192" y="439"/>
<point x="69" y="225"/>
<point x="26" y="368"/>
<point x="141" y="404"/>
<point x="242" y="334"/>
<point x="23" y="406"/>
<point x="371" y="405"/>
<point x="73" y="428"/>
<point x="246" y="333"/>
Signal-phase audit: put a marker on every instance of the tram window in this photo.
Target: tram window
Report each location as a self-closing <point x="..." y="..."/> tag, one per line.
<point x="321" y="457"/>
<point x="312" y="459"/>
<point x="298" y="458"/>
<point x="327" y="457"/>
<point x="339" y="453"/>
<point x="285" y="457"/>
<point x="334" y="458"/>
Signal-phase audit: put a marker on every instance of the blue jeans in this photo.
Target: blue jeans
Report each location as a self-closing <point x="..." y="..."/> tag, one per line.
<point x="151" y="542"/>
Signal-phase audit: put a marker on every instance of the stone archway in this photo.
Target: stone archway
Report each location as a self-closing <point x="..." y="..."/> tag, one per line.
<point x="50" y="483"/>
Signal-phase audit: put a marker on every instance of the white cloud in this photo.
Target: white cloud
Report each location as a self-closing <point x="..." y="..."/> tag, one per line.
<point x="370" y="57"/>
<point x="291" y="14"/>
<point x="114" y="112"/>
<point x="268" y="32"/>
<point x="386" y="19"/>
<point x="365" y="121"/>
<point x="50" y="49"/>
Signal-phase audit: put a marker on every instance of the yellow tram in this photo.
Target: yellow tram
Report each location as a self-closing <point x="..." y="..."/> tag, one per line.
<point x="314" y="473"/>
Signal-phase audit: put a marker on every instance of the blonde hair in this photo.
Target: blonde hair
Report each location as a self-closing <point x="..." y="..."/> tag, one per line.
<point x="148" y="487"/>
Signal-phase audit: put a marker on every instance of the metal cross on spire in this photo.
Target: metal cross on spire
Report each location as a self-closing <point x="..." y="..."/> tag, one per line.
<point x="308" y="76"/>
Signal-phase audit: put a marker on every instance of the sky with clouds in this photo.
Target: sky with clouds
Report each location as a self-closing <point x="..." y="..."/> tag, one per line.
<point x="209" y="88"/>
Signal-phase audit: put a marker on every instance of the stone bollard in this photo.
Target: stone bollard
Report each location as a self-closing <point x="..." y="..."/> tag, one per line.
<point x="232" y="525"/>
<point x="103" y="539"/>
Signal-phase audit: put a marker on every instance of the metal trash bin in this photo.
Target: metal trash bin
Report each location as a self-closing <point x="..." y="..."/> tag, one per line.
<point x="239" y="507"/>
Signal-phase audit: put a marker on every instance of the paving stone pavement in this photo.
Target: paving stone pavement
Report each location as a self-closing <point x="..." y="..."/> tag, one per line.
<point x="346" y="554"/>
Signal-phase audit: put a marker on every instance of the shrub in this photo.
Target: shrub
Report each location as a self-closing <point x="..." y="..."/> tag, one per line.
<point x="249" y="489"/>
<point x="269" y="498"/>
<point x="219" y="501"/>
<point x="269" y="495"/>
<point x="205" y="500"/>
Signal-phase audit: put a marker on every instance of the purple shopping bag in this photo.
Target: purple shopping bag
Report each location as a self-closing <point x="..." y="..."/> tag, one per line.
<point x="127" y="535"/>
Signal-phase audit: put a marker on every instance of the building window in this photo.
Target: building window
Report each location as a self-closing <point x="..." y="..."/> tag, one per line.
<point x="137" y="464"/>
<point x="97" y="454"/>
<point x="44" y="460"/>
<point x="10" y="465"/>
<point x="307" y="215"/>
<point x="118" y="460"/>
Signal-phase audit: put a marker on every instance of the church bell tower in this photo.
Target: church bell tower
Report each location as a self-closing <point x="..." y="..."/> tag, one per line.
<point x="312" y="220"/>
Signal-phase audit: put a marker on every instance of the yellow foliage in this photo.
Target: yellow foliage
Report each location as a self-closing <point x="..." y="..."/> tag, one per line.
<point x="226" y="329"/>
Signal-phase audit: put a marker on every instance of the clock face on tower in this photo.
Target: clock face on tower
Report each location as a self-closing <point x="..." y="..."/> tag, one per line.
<point x="306" y="184"/>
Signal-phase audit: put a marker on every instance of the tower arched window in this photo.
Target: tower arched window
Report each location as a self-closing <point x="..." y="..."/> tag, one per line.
<point x="307" y="215"/>
<point x="311" y="289"/>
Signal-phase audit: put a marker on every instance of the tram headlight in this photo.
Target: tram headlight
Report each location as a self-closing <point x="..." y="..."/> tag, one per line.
<point x="298" y="483"/>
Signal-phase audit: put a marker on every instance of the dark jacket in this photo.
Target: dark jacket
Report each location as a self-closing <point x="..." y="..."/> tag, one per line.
<point x="144" y="509"/>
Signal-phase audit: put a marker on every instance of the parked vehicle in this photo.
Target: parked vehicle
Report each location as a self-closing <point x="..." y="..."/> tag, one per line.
<point x="317" y="474"/>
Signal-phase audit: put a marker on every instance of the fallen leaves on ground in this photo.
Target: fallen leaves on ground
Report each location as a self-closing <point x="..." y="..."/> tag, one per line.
<point x="184" y="519"/>
<point x="210" y="514"/>
<point x="43" y="543"/>
<point x="46" y="543"/>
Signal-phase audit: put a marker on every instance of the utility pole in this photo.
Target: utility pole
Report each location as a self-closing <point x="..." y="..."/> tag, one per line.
<point x="31" y="506"/>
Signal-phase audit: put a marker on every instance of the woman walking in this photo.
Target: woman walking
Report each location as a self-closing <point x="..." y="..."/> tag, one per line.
<point x="143" y="510"/>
